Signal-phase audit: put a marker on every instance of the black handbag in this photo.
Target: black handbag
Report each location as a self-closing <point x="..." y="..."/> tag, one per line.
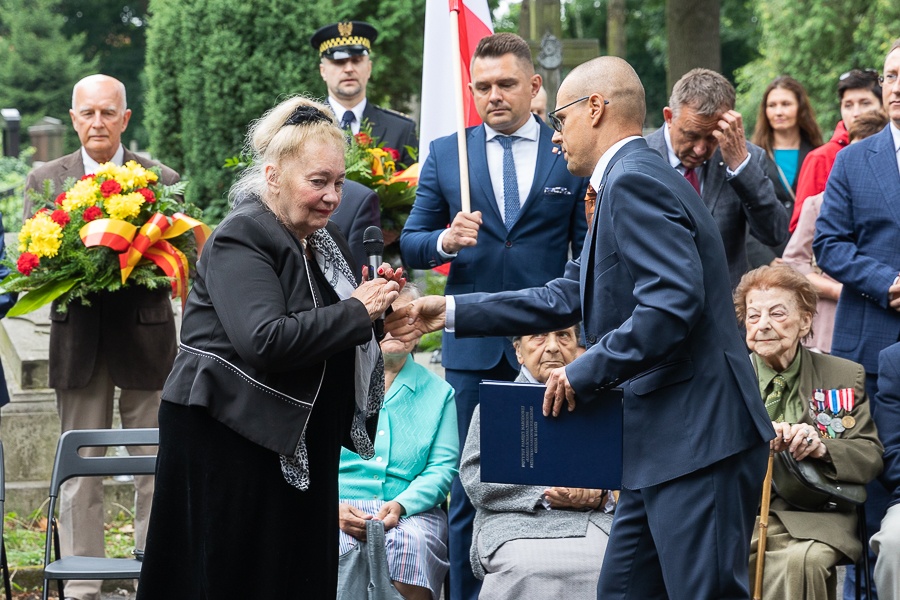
<point x="803" y="485"/>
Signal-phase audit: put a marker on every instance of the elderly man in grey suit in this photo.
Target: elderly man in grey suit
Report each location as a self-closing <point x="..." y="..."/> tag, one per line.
<point x="703" y="139"/>
<point x="124" y="339"/>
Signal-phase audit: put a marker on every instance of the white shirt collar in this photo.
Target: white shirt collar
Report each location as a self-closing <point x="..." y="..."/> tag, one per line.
<point x="600" y="169"/>
<point x="895" y="132"/>
<point x="91" y="165"/>
<point x="339" y="110"/>
<point x="529" y="131"/>
<point x="674" y="161"/>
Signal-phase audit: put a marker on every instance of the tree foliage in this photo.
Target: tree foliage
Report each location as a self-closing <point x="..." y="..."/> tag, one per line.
<point x="39" y="64"/>
<point x="814" y="42"/>
<point x="215" y="65"/>
<point x="115" y="36"/>
<point x="646" y="47"/>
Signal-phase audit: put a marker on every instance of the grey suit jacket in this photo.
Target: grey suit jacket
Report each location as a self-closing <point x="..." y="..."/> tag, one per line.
<point x="132" y="329"/>
<point x="747" y="200"/>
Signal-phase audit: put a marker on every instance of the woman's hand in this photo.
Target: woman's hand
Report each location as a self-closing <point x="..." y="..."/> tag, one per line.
<point x="390" y="514"/>
<point x="377" y="295"/>
<point x="800" y="439"/>
<point x="352" y="521"/>
<point x="574" y="498"/>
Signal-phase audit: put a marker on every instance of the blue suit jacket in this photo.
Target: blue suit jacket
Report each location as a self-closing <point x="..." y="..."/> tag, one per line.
<point x="886" y="412"/>
<point x="652" y="287"/>
<point x="551" y="224"/>
<point x="858" y="243"/>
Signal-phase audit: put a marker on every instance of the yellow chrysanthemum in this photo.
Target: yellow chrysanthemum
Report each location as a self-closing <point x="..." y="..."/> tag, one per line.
<point x="124" y="206"/>
<point x="107" y="170"/>
<point x="84" y="193"/>
<point x="40" y="235"/>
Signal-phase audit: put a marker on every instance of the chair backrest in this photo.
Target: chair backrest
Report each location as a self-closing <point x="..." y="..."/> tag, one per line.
<point x="2" y="478"/>
<point x="70" y="464"/>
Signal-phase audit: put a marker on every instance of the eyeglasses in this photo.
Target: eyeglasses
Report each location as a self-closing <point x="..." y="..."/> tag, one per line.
<point x="868" y="73"/>
<point x="554" y="120"/>
<point x="888" y="78"/>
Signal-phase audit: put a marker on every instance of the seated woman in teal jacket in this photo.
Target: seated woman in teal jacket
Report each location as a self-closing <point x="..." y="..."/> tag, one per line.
<point x="416" y="453"/>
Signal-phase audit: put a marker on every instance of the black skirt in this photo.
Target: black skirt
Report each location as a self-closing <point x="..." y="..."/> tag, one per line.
<point x="225" y="524"/>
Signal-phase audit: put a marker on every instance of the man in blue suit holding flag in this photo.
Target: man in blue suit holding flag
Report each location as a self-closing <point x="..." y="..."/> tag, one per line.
<point x="526" y="220"/>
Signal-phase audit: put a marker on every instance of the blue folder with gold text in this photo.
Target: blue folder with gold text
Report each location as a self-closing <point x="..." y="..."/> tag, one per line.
<point x="519" y="445"/>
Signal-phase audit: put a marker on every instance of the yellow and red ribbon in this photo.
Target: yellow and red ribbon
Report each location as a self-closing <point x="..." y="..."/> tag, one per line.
<point x="149" y="242"/>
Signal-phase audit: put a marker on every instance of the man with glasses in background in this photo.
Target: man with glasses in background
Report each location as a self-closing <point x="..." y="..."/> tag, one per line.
<point x="858" y="243"/>
<point x="703" y="138"/>
<point x="526" y="220"/>
<point x="858" y="91"/>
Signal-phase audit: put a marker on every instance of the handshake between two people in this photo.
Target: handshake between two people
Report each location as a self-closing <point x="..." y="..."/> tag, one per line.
<point x="429" y="313"/>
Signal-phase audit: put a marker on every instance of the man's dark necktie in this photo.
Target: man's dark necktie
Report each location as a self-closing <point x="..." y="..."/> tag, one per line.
<point x="590" y="204"/>
<point x="347" y="119"/>
<point x="691" y="176"/>
<point x="510" y="181"/>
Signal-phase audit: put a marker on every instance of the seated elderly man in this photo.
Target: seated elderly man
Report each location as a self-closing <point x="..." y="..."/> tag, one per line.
<point x="777" y="304"/>
<point x="534" y="541"/>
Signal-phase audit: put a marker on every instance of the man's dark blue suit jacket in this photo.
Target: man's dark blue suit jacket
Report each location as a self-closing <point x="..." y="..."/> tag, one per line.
<point x="536" y="249"/>
<point x="653" y="290"/>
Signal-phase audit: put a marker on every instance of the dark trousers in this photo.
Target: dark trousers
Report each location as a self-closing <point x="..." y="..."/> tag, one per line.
<point x="463" y="584"/>
<point x="688" y="538"/>
<point x="877" y="498"/>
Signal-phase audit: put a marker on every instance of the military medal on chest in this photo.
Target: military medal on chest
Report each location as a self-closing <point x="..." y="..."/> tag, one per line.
<point x="831" y="409"/>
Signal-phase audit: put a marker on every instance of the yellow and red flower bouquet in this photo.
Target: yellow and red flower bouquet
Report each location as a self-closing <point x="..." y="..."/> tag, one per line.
<point x="375" y="166"/>
<point x="119" y="226"/>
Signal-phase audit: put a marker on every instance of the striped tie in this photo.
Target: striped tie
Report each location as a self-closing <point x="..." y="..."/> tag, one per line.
<point x="510" y="181"/>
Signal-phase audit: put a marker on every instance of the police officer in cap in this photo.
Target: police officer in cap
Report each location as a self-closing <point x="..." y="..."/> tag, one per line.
<point x="345" y="66"/>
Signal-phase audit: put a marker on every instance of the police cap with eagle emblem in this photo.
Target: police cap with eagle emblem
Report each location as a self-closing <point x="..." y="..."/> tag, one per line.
<point x="344" y="39"/>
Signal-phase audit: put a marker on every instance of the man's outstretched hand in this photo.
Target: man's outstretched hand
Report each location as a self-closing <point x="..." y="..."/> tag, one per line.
<point x="417" y="318"/>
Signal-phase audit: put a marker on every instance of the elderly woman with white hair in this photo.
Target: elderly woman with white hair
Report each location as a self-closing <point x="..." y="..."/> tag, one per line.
<point x="278" y="367"/>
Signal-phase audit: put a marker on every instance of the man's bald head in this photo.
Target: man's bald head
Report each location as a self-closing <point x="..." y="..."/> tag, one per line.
<point x="616" y="80"/>
<point x="100" y="115"/>
<point x="602" y="102"/>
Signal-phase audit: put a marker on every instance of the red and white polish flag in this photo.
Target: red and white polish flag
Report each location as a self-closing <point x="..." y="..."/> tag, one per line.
<point x="438" y="93"/>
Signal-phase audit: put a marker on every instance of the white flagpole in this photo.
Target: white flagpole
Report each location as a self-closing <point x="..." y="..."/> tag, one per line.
<point x="465" y="201"/>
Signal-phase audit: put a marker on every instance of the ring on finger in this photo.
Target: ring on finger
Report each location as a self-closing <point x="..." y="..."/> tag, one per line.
<point x="809" y="441"/>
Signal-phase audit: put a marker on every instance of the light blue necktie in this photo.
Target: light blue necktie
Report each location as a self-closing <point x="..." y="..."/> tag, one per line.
<point x="510" y="181"/>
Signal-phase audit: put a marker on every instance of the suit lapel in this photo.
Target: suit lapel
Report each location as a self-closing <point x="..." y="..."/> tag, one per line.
<point x="378" y="130"/>
<point x="713" y="180"/>
<point x="544" y="165"/>
<point x="808" y="374"/>
<point x="479" y="175"/>
<point x="883" y="162"/>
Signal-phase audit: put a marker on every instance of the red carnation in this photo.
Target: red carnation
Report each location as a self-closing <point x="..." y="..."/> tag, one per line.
<point x="394" y="153"/>
<point x="60" y="198"/>
<point x="88" y="176"/>
<point x="27" y="263"/>
<point x="363" y="139"/>
<point x="42" y="210"/>
<point x="147" y="194"/>
<point x="91" y="213"/>
<point x="60" y="217"/>
<point x="110" y="187"/>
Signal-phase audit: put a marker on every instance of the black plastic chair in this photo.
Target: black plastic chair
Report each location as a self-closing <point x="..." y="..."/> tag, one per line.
<point x="70" y="464"/>
<point x="4" y="563"/>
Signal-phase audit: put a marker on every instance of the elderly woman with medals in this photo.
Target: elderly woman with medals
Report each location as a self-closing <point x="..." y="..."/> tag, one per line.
<point x="820" y="413"/>
<point x="278" y="368"/>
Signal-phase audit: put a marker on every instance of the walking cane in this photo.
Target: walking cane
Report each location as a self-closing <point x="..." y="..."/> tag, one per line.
<point x="763" y="528"/>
